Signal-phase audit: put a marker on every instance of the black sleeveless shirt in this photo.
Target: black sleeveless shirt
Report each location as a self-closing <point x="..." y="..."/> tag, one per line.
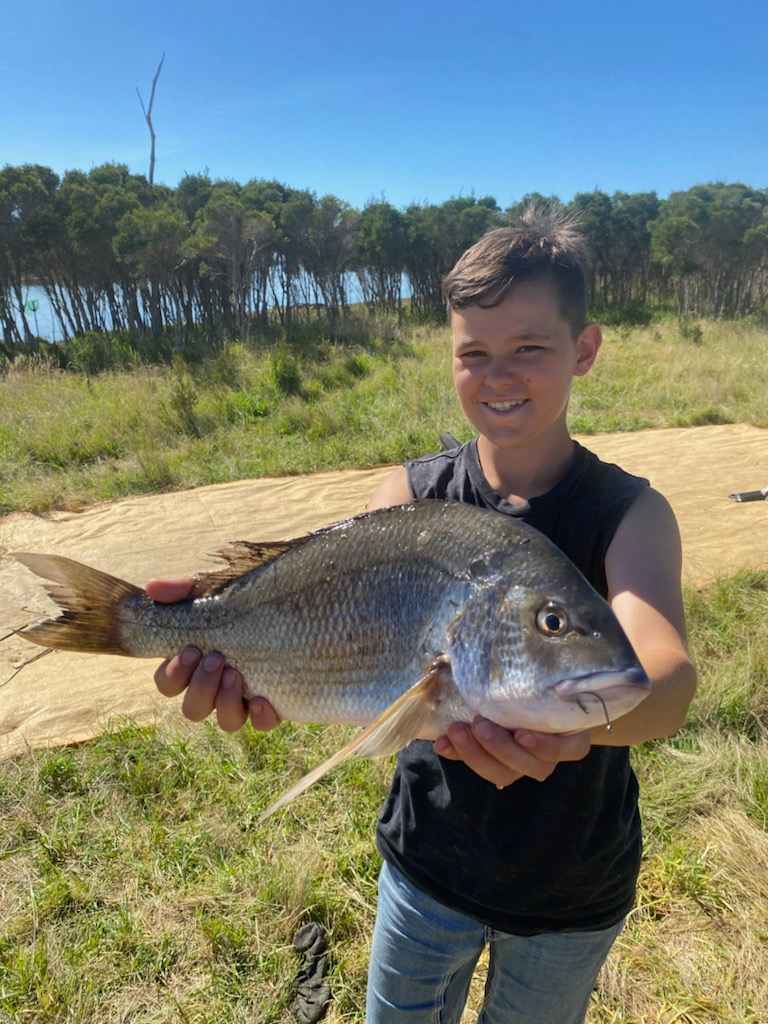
<point x="559" y="855"/>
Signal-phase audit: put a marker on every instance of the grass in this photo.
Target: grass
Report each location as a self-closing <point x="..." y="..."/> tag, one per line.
<point x="134" y="885"/>
<point x="67" y="440"/>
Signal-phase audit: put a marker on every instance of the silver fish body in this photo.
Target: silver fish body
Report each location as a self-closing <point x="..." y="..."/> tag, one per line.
<point x="345" y="622"/>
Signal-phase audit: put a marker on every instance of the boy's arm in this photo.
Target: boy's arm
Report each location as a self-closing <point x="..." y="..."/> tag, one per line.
<point x="393" y="490"/>
<point x="643" y="567"/>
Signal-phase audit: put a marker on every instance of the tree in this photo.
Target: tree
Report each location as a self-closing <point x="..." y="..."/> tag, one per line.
<point x="704" y="239"/>
<point x="380" y="256"/>
<point x="328" y="257"/>
<point x="114" y="251"/>
<point x="229" y="240"/>
<point x="27" y="218"/>
<point x="148" y="243"/>
<point x="437" y="236"/>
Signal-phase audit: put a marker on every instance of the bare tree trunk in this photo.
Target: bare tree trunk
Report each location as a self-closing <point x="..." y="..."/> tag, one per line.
<point x="148" y="118"/>
<point x="22" y="312"/>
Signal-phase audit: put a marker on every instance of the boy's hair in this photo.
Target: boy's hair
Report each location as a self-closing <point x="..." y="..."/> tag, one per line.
<point x="545" y="244"/>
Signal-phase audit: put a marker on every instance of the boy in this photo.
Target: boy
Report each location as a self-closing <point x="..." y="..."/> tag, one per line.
<point x="527" y="842"/>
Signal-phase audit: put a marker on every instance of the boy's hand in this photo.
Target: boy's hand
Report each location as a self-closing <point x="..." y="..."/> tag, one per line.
<point x="502" y="756"/>
<point x="209" y="682"/>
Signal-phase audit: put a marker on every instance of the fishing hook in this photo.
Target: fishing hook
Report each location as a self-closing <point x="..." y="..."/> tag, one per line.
<point x="591" y="693"/>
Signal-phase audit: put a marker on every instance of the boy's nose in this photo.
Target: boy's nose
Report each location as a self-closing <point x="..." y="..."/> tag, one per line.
<point x="502" y="369"/>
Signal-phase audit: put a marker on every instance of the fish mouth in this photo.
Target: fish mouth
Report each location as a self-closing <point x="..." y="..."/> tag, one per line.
<point x="609" y="685"/>
<point x="615" y="692"/>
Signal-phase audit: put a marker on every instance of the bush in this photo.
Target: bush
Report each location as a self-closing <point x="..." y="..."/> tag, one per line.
<point x="631" y="314"/>
<point x="226" y="367"/>
<point x="286" y="373"/>
<point x="758" y="319"/>
<point x="243" y="407"/>
<point x="690" y="330"/>
<point x="94" y="352"/>
<point x="178" y="410"/>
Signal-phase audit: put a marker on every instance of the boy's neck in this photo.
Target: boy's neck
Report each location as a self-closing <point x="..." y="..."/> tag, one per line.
<point x="529" y="470"/>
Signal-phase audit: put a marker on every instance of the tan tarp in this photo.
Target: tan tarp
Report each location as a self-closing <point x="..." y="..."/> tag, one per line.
<point x="65" y="698"/>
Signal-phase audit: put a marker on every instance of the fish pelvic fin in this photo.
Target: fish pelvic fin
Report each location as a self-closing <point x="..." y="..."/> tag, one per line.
<point x="88" y="600"/>
<point x="402" y="722"/>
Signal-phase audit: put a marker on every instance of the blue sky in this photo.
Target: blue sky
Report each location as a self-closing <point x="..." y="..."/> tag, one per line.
<point x="409" y="102"/>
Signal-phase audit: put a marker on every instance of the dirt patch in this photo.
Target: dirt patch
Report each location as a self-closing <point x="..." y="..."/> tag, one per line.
<point x="66" y="698"/>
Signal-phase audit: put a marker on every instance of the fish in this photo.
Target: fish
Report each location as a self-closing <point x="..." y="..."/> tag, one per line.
<point x="401" y="620"/>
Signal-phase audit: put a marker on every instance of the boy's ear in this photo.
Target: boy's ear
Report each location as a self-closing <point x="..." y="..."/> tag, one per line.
<point x="587" y="346"/>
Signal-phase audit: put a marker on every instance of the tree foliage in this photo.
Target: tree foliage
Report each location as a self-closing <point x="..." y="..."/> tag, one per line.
<point x="113" y="252"/>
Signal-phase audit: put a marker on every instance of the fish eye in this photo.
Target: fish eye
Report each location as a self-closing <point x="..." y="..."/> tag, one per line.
<point x="552" y="620"/>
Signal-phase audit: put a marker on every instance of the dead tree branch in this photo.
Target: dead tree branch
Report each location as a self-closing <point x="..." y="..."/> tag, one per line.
<point x="147" y="111"/>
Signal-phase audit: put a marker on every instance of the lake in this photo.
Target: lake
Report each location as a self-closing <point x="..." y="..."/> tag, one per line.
<point x="43" y="322"/>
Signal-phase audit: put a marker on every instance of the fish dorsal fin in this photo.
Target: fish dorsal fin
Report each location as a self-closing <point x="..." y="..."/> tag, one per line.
<point x="241" y="556"/>
<point x="402" y="722"/>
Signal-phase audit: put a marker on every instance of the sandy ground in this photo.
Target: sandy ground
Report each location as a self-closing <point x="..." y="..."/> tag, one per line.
<point x="65" y="698"/>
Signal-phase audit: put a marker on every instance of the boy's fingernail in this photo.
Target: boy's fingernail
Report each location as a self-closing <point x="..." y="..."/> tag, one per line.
<point x="257" y="708"/>
<point x="482" y="728"/>
<point x="229" y="678"/>
<point x="526" y="739"/>
<point x="458" y="731"/>
<point x="213" y="662"/>
<point x="190" y="656"/>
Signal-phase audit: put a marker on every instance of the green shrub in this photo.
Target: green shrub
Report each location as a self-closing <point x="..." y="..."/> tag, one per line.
<point x="286" y="373"/>
<point x="690" y="330"/>
<point x="225" y="369"/>
<point x="243" y="407"/>
<point x="632" y="314"/>
<point x="95" y="352"/>
<point x="178" y="410"/>
<point x="708" y="416"/>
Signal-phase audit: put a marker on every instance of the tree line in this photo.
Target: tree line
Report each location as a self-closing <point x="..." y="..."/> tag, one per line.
<point x="115" y="253"/>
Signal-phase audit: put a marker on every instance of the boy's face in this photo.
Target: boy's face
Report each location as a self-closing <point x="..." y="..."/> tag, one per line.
<point x="513" y="364"/>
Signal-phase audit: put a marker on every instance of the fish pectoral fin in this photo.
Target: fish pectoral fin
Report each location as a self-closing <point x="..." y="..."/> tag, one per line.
<point x="402" y="722"/>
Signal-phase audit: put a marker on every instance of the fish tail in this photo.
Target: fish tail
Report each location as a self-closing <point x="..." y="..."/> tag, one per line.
<point x="88" y="599"/>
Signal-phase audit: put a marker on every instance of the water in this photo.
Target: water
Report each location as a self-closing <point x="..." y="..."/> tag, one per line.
<point x="43" y="322"/>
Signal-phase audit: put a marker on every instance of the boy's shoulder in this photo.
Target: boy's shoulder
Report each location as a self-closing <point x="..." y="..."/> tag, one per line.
<point x="451" y="455"/>
<point x="452" y="474"/>
<point x="608" y="476"/>
<point x="598" y="482"/>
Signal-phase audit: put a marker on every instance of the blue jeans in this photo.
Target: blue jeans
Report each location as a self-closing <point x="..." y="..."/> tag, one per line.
<point x="424" y="953"/>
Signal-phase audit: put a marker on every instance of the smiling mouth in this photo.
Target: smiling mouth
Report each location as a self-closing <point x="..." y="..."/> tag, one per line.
<point x="509" y="406"/>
